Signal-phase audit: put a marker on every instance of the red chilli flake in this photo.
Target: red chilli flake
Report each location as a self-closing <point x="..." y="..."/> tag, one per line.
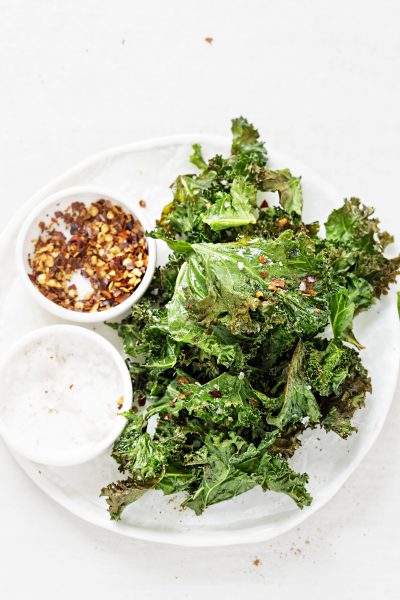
<point x="308" y="285"/>
<point x="209" y="40"/>
<point x="278" y="282"/>
<point x="215" y="394"/>
<point x="106" y="246"/>
<point x="262" y="260"/>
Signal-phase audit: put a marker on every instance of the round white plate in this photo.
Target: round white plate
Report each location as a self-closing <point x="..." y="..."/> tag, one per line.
<point x="145" y="170"/>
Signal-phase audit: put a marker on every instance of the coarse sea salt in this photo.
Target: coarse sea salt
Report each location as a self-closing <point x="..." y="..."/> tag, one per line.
<point x="60" y="394"/>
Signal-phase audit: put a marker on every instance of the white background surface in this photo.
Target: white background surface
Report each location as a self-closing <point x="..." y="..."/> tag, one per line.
<point x="321" y="80"/>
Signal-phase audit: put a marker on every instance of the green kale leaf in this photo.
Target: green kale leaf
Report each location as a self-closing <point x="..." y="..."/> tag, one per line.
<point x="231" y="467"/>
<point x="184" y="327"/>
<point x="298" y="401"/>
<point x="356" y="247"/>
<point x="342" y="312"/>
<point x="287" y="186"/>
<point x="339" y="381"/>
<point x="274" y="474"/>
<point x="222" y="285"/>
<point x="234" y="209"/>
<point x="197" y="157"/>
<point x="246" y="141"/>
<point x="227" y="401"/>
<point x="225" y="475"/>
<point x="122" y="493"/>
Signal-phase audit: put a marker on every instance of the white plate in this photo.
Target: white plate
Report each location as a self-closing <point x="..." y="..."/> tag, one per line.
<point x="145" y="170"/>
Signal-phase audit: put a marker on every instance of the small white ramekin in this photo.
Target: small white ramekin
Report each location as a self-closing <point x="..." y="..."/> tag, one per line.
<point x="80" y="455"/>
<point x="30" y="230"/>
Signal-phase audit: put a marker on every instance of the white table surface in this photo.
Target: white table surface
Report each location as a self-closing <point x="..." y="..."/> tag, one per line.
<point x="321" y="80"/>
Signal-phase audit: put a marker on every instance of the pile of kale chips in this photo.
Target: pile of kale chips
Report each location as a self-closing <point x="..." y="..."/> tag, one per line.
<point x="228" y="349"/>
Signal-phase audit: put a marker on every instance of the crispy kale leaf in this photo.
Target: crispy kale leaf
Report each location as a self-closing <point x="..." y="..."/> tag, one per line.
<point x="246" y="142"/>
<point x="183" y="326"/>
<point x="222" y="197"/>
<point x="224" y="464"/>
<point x="356" y="247"/>
<point x="287" y="186"/>
<point x="342" y="310"/>
<point x="234" y="209"/>
<point x="183" y="217"/>
<point x="120" y="494"/>
<point x="226" y="295"/>
<point x="339" y="382"/>
<point x="231" y="467"/>
<point x="298" y="401"/>
<point x="227" y="401"/>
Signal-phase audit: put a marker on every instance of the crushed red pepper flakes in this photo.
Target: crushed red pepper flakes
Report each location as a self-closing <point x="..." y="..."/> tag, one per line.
<point x="142" y="203"/>
<point x="262" y="260"/>
<point x="209" y="40"/>
<point x="307" y="286"/>
<point x="141" y="401"/>
<point x="278" y="282"/>
<point x="106" y="246"/>
<point x="264" y="204"/>
<point x="183" y="379"/>
<point x="215" y="393"/>
<point x="263" y="274"/>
